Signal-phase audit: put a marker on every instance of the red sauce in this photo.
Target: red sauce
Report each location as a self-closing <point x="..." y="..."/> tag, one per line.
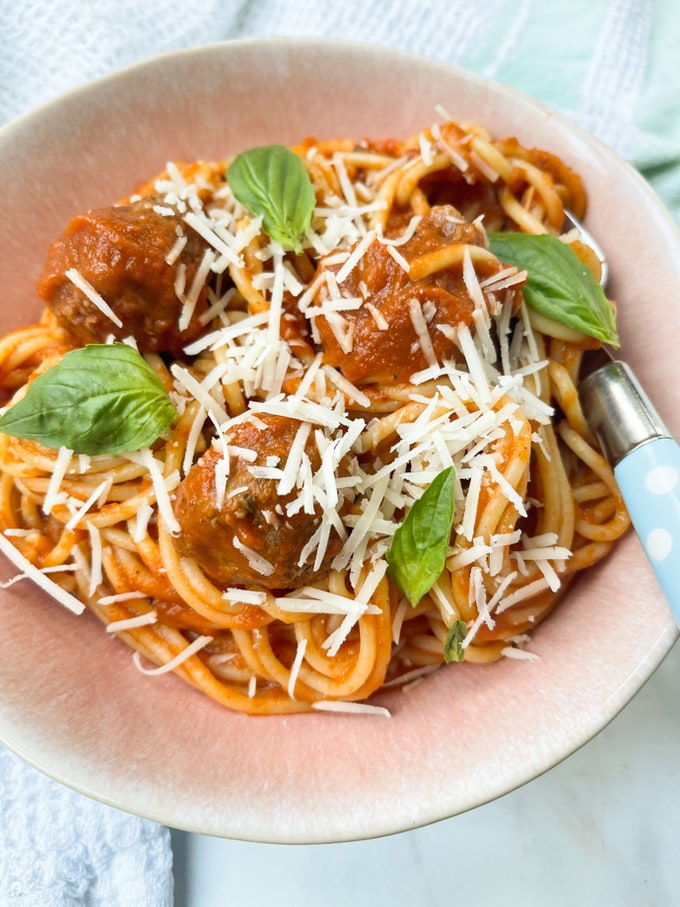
<point x="393" y="355"/>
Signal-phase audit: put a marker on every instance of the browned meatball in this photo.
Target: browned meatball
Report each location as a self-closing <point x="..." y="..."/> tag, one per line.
<point x="121" y="252"/>
<point x="252" y="517"/>
<point x="392" y="353"/>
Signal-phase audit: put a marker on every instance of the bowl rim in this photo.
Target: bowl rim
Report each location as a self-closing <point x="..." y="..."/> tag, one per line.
<point x="374" y="826"/>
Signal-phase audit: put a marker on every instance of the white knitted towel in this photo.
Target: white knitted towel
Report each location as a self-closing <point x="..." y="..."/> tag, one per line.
<point x="60" y="849"/>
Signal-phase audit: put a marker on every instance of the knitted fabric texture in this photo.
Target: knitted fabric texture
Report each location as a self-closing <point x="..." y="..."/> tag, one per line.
<point x="61" y="849"/>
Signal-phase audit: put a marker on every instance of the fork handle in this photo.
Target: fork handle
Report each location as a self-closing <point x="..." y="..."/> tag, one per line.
<point x="649" y="480"/>
<point x="646" y="462"/>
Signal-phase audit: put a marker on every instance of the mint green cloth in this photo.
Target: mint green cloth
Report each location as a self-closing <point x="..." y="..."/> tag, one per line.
<point x="656" y="152"/>
<point x="613" y="66"/>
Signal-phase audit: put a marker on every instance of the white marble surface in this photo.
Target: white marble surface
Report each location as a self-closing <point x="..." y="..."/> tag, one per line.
<point x="602" y="828"/>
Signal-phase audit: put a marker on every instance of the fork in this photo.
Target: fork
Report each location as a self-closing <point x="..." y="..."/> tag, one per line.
<point x="640" y="449"/>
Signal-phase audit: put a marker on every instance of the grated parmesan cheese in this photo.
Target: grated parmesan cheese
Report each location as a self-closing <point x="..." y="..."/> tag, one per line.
<point x="255" y="561"/>
<point x="95" y="298"/>
<point x="245" y="596"/>
<point x="162" y="486"/>
<point x="199" y="643"/>
<point x="355" y="257"/>
<point x="101" y="491"/>
<point x="132" y="623"/>
<point x="380" y="320"/>
<point x="295" y="668"/>
<point x="419" y="323"/>
<point x="141" y="521"/>
<point x="176" y="249"/>
<point x="59" y="470"/>
<point x="96" y="570"/>
<point x="520" y="654"/>
<point x="120" y="597"/>
<point x="399" y="258"/>
<point x="39" y="577"/>
<point x="351" y="708"/>
<point x="191" y="298"/>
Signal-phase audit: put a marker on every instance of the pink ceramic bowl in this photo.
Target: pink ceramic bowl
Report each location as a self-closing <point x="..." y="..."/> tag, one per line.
<point x="72" y="702"/>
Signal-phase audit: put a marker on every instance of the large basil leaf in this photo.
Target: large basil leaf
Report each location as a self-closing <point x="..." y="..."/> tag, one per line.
<point x="272" y="183"/>
<point x="100" y="399"/>
<point x="559" y="286"/>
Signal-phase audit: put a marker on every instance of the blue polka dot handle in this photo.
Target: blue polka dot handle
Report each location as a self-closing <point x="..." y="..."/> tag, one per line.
<point x="649" y="479"/>
<point x="646" y="463"/>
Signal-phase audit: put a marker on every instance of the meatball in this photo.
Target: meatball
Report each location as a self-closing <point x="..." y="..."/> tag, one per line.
<point x="250" y="539"/>
<point x="121" y="252"/>
<point x="384" y="346"/>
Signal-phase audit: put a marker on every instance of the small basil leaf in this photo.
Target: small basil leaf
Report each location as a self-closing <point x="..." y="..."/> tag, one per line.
<point x="100" y="399"/>
<point x="273" y="184"/>
<point x="453" y="644"/>
<point x="417" y="554"/>
<point x="559" y="285"/>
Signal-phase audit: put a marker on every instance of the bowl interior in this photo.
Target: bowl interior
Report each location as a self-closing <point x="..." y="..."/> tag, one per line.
<point x="72" y="702"/>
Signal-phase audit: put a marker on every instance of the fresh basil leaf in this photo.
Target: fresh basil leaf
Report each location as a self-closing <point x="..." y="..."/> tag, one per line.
<point x="453" y="644"/>
<point x="100" y="399"/>
<point x="417" y="554"/>
<point x="559" y="285"/>
<point x="272" y="182"/>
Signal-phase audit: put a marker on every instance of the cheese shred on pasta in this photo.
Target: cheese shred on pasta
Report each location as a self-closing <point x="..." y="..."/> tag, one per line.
<point x="318" y="397"/>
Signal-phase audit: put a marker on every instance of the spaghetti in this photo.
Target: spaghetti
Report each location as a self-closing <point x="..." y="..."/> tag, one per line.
<point x="318" y="396"/>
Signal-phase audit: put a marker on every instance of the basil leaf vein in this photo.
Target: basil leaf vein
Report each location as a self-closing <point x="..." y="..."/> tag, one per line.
<point x="559" y="285"/>
<point x="417" y="554"/>
<point x="272" y="183"/>
<point x="100" y="399"/>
